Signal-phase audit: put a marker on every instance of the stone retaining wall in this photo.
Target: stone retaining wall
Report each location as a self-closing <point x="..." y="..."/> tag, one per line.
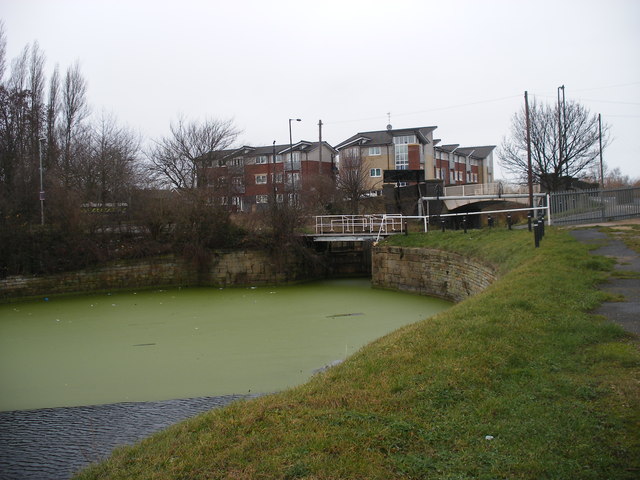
<point x="225" y="269"/>
<point x="431" y="272"/>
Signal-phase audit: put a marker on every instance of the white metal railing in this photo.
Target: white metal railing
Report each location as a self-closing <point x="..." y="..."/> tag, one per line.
<point x="496" y="188"/>
<point x="358" y="224"/>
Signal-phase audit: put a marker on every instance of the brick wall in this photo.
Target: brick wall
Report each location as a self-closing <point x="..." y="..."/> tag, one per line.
<point x="230" y="268"/>
<point x="431" y="272"/>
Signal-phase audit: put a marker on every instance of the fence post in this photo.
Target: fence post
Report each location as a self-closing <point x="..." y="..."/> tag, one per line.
<point x="490" y="221"/>
<point x="509" y="222"/>
<point x="442" y="224"/>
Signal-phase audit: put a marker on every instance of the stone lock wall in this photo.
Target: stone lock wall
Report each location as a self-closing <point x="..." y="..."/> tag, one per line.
<point x="224" y="269"/>
<point x="430" y="272"/>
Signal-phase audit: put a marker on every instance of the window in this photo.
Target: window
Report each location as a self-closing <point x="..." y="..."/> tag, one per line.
<point x="376" y="172"/>
<point x="262" y="198"/>
<point x="404" y="139"/>
<point x="262" y="159"/>
<point x="237" y="162"/>
<point x="236" y="201"/>
<point x="452" y="177"/>
<point x="402" y="157"/>
<point x="236" y="181"/>
<point x="278" y="158"/>
<point x="276" y="178"/>
<point x="223" y="200"/>
<point x="293" y="178"/>
<point x="279" y="197"/>
<point x="374" y="151"/>
<point x="261" y="179"/>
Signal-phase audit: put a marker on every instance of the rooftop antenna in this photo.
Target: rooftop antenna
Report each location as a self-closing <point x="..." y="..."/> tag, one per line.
<point x="389" y="127"/>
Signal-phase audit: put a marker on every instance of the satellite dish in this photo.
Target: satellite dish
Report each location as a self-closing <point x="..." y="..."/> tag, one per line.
<point x="389" y="127"/>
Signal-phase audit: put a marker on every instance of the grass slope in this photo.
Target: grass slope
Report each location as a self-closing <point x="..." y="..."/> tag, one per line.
<point x="518" y="382"/>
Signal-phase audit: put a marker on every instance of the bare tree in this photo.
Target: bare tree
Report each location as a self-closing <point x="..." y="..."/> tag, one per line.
<point x="3" y="50"/>
<point x="74" y="109"/>
<point x="52" y="114"/>
<point x="108" y="171"/>
<point x="352" y="179"/>
<point x="172" y="159"/>
<point x="556" y="154"/>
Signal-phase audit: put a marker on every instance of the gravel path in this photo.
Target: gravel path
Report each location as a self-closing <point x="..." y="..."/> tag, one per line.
<point x="626" y="313"/>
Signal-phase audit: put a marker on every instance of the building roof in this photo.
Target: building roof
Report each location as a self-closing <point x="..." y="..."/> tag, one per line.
<point x="303" y="145"/>
<point x="385" y="137"/>
<point x="476" y="152"/>
<point x="448" y="148"/>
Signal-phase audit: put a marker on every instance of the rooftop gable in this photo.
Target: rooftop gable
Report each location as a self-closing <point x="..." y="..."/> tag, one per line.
<point x="385" y="137"/>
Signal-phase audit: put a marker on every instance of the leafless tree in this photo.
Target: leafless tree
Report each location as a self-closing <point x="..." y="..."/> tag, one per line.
<point x="52" y="114"/>
<point x="552" y="164"/>
<point x="3" y="50"/>
<point x="352" y="179"/>
<point x="108" y="171"/>
<point x="172" y="159"/>
<point x="75" y="110"/>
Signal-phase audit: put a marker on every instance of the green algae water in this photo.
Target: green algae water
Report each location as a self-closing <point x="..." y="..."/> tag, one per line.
<point x="181" y="343"/>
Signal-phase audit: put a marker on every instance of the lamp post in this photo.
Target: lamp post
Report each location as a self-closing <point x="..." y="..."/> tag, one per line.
<point x="293" y="184"/>
<point x="41" y="196"/>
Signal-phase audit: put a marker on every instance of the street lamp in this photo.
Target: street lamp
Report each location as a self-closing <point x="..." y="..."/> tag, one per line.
<point x="40" y="153"/>
<point x="293" y="185"/>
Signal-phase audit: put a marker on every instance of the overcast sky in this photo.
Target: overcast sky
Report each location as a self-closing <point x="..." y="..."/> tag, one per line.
<point x="460" y="65"/>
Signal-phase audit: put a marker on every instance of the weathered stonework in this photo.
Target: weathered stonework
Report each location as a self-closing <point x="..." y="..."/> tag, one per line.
<point x="430" y="272"/>
<point x="225" y="269"/>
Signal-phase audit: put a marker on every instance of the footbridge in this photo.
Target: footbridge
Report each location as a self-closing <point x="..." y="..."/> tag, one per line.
<point x="457" y="197"/>
<point x="459" y="201"/>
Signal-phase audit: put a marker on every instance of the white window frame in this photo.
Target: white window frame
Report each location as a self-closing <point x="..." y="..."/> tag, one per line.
<point x="374" y="151"/>
<point x="261" y="179"/>
<point x="402" y="157"/>
<point x="375" y="172"/>
<point x="262" y="160"/>
<point x="404" y="139"/>
<point x="262" y="198"/>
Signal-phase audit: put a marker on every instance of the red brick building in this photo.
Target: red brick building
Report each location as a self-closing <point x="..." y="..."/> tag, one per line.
<point x="247" y="178"/>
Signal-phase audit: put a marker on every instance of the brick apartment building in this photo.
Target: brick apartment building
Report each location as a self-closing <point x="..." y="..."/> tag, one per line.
<point x="416" y="149"/>
<point x="247" y="178"/>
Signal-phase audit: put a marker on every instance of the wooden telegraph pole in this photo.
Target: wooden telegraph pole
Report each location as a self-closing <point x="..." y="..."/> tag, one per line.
<point x="529" y="170"/>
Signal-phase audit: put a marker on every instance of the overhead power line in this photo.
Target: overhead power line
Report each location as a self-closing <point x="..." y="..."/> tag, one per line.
<point x="437" y="109"/>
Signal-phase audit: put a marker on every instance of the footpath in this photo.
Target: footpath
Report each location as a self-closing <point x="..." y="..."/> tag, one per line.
<point x="625" y="313"/>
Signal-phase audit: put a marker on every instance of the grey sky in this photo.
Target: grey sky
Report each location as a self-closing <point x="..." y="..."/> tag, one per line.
<point x="460" y="65"/>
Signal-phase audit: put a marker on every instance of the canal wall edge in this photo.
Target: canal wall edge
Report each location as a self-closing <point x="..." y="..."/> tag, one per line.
<point x="235" y="268"/>
<point x="427" y="271"/>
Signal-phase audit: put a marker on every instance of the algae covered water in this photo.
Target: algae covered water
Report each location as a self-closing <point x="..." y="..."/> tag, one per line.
<point x="180" y="343"/>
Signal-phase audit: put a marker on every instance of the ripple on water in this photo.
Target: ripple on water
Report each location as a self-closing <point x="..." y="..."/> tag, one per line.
<point x="53" y="443"/>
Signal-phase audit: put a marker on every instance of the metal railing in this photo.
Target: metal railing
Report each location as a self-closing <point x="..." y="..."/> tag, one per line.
<point x="496" y="188"/>
<point x="589" y="206"/>
<point x="358" y="224"/>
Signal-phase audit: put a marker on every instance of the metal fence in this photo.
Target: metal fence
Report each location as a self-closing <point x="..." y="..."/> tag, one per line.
<point x="591" y="206"/>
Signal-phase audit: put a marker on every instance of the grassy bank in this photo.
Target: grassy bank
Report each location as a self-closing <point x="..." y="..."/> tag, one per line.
<point x="518" y="382"/>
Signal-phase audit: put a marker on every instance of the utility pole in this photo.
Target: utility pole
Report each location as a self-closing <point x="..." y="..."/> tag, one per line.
<point x="600" y="141"/>
<point x="601" y="168"/>
<point x="320" y="146"/>
<point x="560" y="136"/>
<point x="529" y="170"/>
